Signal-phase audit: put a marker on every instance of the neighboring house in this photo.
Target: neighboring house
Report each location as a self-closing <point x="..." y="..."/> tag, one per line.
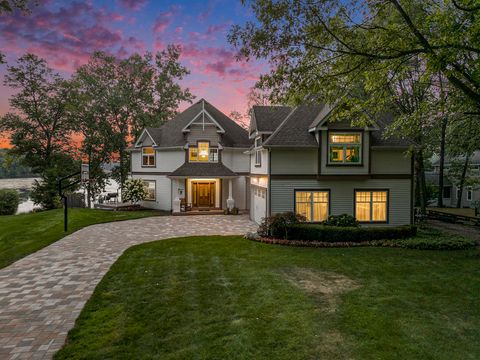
<point x="470" y="195"/>
<point x="292" y="159"/>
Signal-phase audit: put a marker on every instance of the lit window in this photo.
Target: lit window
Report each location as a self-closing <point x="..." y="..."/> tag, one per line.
<point x="371" y="206"/>
<point x="148" y="156"/>
<point x="150" y="186"/>
<point x="344" y="148"/>
<point x="312" y="204"/>
<point x="203" y="151"/>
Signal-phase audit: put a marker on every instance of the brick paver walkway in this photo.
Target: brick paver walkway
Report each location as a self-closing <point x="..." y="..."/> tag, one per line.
<point x="42" y="294"/>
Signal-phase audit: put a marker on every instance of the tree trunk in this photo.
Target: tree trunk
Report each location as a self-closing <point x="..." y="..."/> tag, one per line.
<point x="89" y="203"/>
<point x="462" y="182"/>
<point x="421" y="187"/>
<point x="442" y="162"/>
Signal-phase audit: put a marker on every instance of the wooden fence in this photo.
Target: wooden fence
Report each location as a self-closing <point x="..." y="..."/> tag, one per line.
<point x="452" y="218"/>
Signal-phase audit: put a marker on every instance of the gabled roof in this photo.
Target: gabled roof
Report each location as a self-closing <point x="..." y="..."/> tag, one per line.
<point x="293" y="131"/>
<point x="268" y="118"/>
<point x="378" y="138"/>
<point x="171" y="133"/>
<point x="203" y="170"/>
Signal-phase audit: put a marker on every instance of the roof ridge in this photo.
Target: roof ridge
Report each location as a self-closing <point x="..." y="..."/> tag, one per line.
<point x="281" y="125"/>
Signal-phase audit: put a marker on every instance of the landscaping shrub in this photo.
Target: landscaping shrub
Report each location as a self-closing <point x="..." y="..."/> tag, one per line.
<point x="9" y="200"/>
<point x="134" y="190"/>
<point x="311" y="232"/>
<point x="343" y="220"/>
<point x="278" y="225"/>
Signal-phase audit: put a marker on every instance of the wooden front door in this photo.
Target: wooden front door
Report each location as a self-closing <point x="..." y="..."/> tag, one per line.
<point x="203" y="194"/>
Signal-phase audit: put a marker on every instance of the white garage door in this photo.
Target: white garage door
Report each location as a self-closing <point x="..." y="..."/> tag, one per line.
<point x="259" y="204"/>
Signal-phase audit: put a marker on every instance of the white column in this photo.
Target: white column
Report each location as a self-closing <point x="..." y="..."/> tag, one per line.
<point x="230" y="201"/>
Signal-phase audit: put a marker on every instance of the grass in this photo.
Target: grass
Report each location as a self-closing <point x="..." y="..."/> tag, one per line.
<point x="24" y="234"/>
<point x="230" y="298"/>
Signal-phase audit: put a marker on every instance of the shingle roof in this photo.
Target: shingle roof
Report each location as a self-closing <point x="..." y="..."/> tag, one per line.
<point x="203" y="170"/>
<point x="378" y="137"/>
<point x="293" y="131"/>
<point x="170" y="134"/>
<point x="268" y="118"/>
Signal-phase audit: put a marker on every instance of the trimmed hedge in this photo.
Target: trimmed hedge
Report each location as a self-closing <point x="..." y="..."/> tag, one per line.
<point x="323" y="233"/>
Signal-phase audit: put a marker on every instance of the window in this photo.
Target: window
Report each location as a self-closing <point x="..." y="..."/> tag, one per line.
<point x="469" y="194"/>
<point x="258" y="157"/>
<point x="344" y="148"/>
<point x="371" y="206"/>
<point x="457" y="196"/>
<point x="148" y="156"/>
<point x="203" y="152"/>
<point x="312" y="204"/>
<point x="258" y="151"/>
<point x="447" y="192"/>
<point x="150" y="185"/>
<point x="213" y="155"/>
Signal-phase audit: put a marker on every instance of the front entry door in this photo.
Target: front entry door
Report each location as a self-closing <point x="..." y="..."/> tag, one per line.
<point x="203" y="194"/>
<point x="203" y="191"/>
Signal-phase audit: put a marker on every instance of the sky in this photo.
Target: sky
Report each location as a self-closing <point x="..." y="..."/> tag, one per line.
<point x="65" y="33"/>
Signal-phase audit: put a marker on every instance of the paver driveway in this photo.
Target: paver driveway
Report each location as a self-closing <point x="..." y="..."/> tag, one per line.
<point x="42" y="294"/>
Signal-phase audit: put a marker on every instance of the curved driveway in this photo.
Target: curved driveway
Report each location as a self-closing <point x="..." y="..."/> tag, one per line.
<point x="42" y="294"/>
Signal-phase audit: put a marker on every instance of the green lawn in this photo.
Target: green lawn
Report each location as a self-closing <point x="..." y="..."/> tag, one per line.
<point x="21" y="235"/>
<point x="230" y="298"/>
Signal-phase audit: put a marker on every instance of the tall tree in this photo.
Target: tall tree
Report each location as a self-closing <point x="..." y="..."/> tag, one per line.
<point x="322" y="46"/>
<point x="133" y="93"/>
<point x="40" y="129"/>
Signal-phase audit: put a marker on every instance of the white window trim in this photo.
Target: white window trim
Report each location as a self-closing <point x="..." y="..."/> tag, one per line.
<point x="154" y="155"/>
<point x="154" y="189"/>
<point x="344" y="145"/>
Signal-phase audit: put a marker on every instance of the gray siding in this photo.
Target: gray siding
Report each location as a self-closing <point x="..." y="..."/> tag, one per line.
<point x="199" y="133"/>
<point x="342" y="195"/>
<point x="390" y="162"/>
<point x="294" y="161"/>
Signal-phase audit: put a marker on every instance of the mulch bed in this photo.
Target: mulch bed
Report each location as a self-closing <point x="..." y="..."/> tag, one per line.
<point x="325" y="244"/>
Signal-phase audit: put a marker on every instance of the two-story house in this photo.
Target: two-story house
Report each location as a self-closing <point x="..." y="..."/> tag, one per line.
<point x="291" y="159"/>
<point x="197" y="158"/>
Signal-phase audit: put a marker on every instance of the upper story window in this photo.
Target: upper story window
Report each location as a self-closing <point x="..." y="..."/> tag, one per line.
<point x="148" y="156"/>
<point x="202" y="153"/>
<point x="258" y="151"/>
<point x="344" y="148"/>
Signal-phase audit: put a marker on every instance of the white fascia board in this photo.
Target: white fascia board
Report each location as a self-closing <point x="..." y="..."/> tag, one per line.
<point x="140" y="139"/>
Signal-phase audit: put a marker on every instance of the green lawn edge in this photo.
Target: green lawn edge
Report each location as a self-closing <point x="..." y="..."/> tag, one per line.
<point x="24" y="234"/>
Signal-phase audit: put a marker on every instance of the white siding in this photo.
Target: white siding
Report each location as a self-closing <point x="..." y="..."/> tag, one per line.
<point x="390" y="162"/>
<point x="236" y="160"/>
<point x="302" y="161"/>
<point x="342" y="195"/>
<point x="263" y="169"/>
<point x="163" y="187"/>
<point x="165" y="161"/>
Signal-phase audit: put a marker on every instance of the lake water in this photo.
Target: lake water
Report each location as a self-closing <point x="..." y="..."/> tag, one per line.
<point x="24" y="185"/>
